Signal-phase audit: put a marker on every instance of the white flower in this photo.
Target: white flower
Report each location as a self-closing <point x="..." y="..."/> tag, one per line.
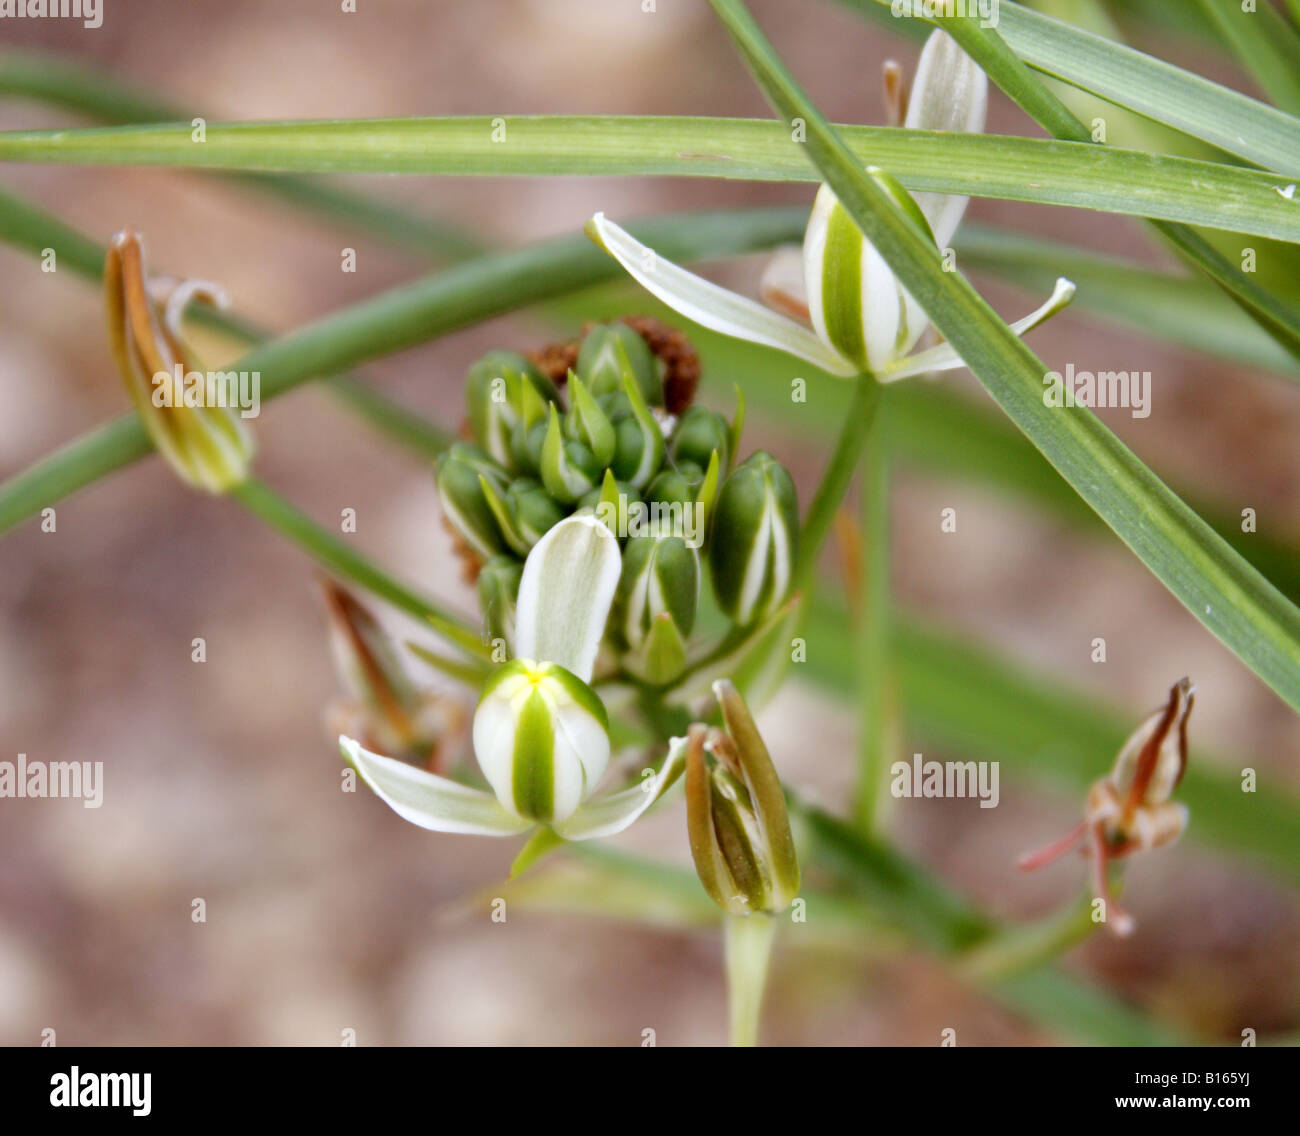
<point x="541" y="735"/>
<point x="861" y="317"/>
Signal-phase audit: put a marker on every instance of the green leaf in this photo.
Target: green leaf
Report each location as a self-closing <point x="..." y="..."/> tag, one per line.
<point x="982" y="165"/>
<point x="1236" y="603"/>
<point x="1264" y="44"/>
<point x="1158" y="90"/>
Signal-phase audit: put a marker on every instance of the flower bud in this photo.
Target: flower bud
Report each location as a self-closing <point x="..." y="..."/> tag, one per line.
<point x="207" y="445"/>
<point x="736" y="815"/>
<point x="699" y="432"/>
<point x="541" y="736"/>
<point x="672" y="486"/>
<point x="460" y="474"/>
<point x="754" y="539"/>
<point x="569" y="469"/>
<point x="601" y="364"/>
<point x="587" y="423"/>
<point x="494" y="392"/>
<point x="498" y="589"/>
<point x="858" y="308"/>
<point x="657" y="597"/>
<point x="524" y="513"/>
<point x="639" y="440"/>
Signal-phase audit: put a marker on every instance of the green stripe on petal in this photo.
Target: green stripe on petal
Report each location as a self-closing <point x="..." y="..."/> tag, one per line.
<point x="842" y="286"/>
<point x="533" y="778"/>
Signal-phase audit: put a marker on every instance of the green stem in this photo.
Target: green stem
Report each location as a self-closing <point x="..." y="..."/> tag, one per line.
<point x="873" y="631"/>
<point x="748" y="950"/>
<point x="334" y="555"/>
<point x="1017" y="949"/>
<point x="835" y="481"/>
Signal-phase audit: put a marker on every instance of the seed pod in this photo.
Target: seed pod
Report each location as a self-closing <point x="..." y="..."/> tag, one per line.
<point x="736" y="815"/>
<point x="754" y="539"/>
<point x="461" y="473"/>
<point x="601" y="364"/>
<point x="205" y="441"/>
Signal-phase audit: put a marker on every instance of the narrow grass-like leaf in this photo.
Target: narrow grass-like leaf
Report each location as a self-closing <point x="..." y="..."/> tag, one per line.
<point x="1158" y="90"/>
<point x="71" y="85"/>
<point x="1221" y="589"/>
<point x="1264" y="44"/>
<point x="981" y="165"/>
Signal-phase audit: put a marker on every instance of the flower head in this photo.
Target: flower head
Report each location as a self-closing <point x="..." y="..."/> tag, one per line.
<point x="1130" y="810"/>
<point x="541" y="735"/>
<point x="862" y="318"/>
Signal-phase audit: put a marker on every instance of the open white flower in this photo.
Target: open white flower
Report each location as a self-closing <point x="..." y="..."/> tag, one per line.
<point x="540" y="732"/>
<point x="861" y="317"/>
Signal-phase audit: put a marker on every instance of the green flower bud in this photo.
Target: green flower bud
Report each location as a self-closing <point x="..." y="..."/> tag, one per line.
<point x="461" y="474"/>
<point x="527" y="443"/>
<point x="639" y="442"/>
<point x="656" y="600"/>
<point x="587" y="423"/>
<point x="494" y="393"/>
<point x="523" y="513"/>
<point x="699" y="432"/>
<point x="736" y="815"/>
<point x="541" y="736"/>
<point x="204" y="440"/>
<point x="754" y="539"/>
<point x="601" y="364"/>
<point x="607" y="501"/>
<point x="670" y="486"/>
<point x="569" y="469"/>
<point x="498" y="588"/>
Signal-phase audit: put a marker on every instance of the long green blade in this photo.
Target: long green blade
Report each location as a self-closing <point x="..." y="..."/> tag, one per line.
<point x="1016" y="169"/>
<point x="1158" y="90"/>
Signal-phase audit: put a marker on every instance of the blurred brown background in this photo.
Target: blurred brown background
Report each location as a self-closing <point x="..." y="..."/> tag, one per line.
<point x="326" y="912"/>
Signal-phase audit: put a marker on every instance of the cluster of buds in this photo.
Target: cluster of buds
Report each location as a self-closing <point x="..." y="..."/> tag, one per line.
<point x="660" y="476"/>
<point x="1130" y="810"/>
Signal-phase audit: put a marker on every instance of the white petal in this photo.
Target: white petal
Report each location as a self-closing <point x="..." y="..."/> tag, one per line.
<point x="565" y="594"/>
<point x="782" y="285"/>
<point x="586" y="738"/>
<point x="711" y="306"/>
<point x="950" y="92"/>
<point x="428" y="800"/>
<point x="944" y="358"/>
<point x="882" y="309"/>
<point x="608" y="815"/>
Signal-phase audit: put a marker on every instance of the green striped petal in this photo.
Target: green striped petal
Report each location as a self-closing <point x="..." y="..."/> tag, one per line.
<point x="710" y="305"/>
<point x="428" y="800"/>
